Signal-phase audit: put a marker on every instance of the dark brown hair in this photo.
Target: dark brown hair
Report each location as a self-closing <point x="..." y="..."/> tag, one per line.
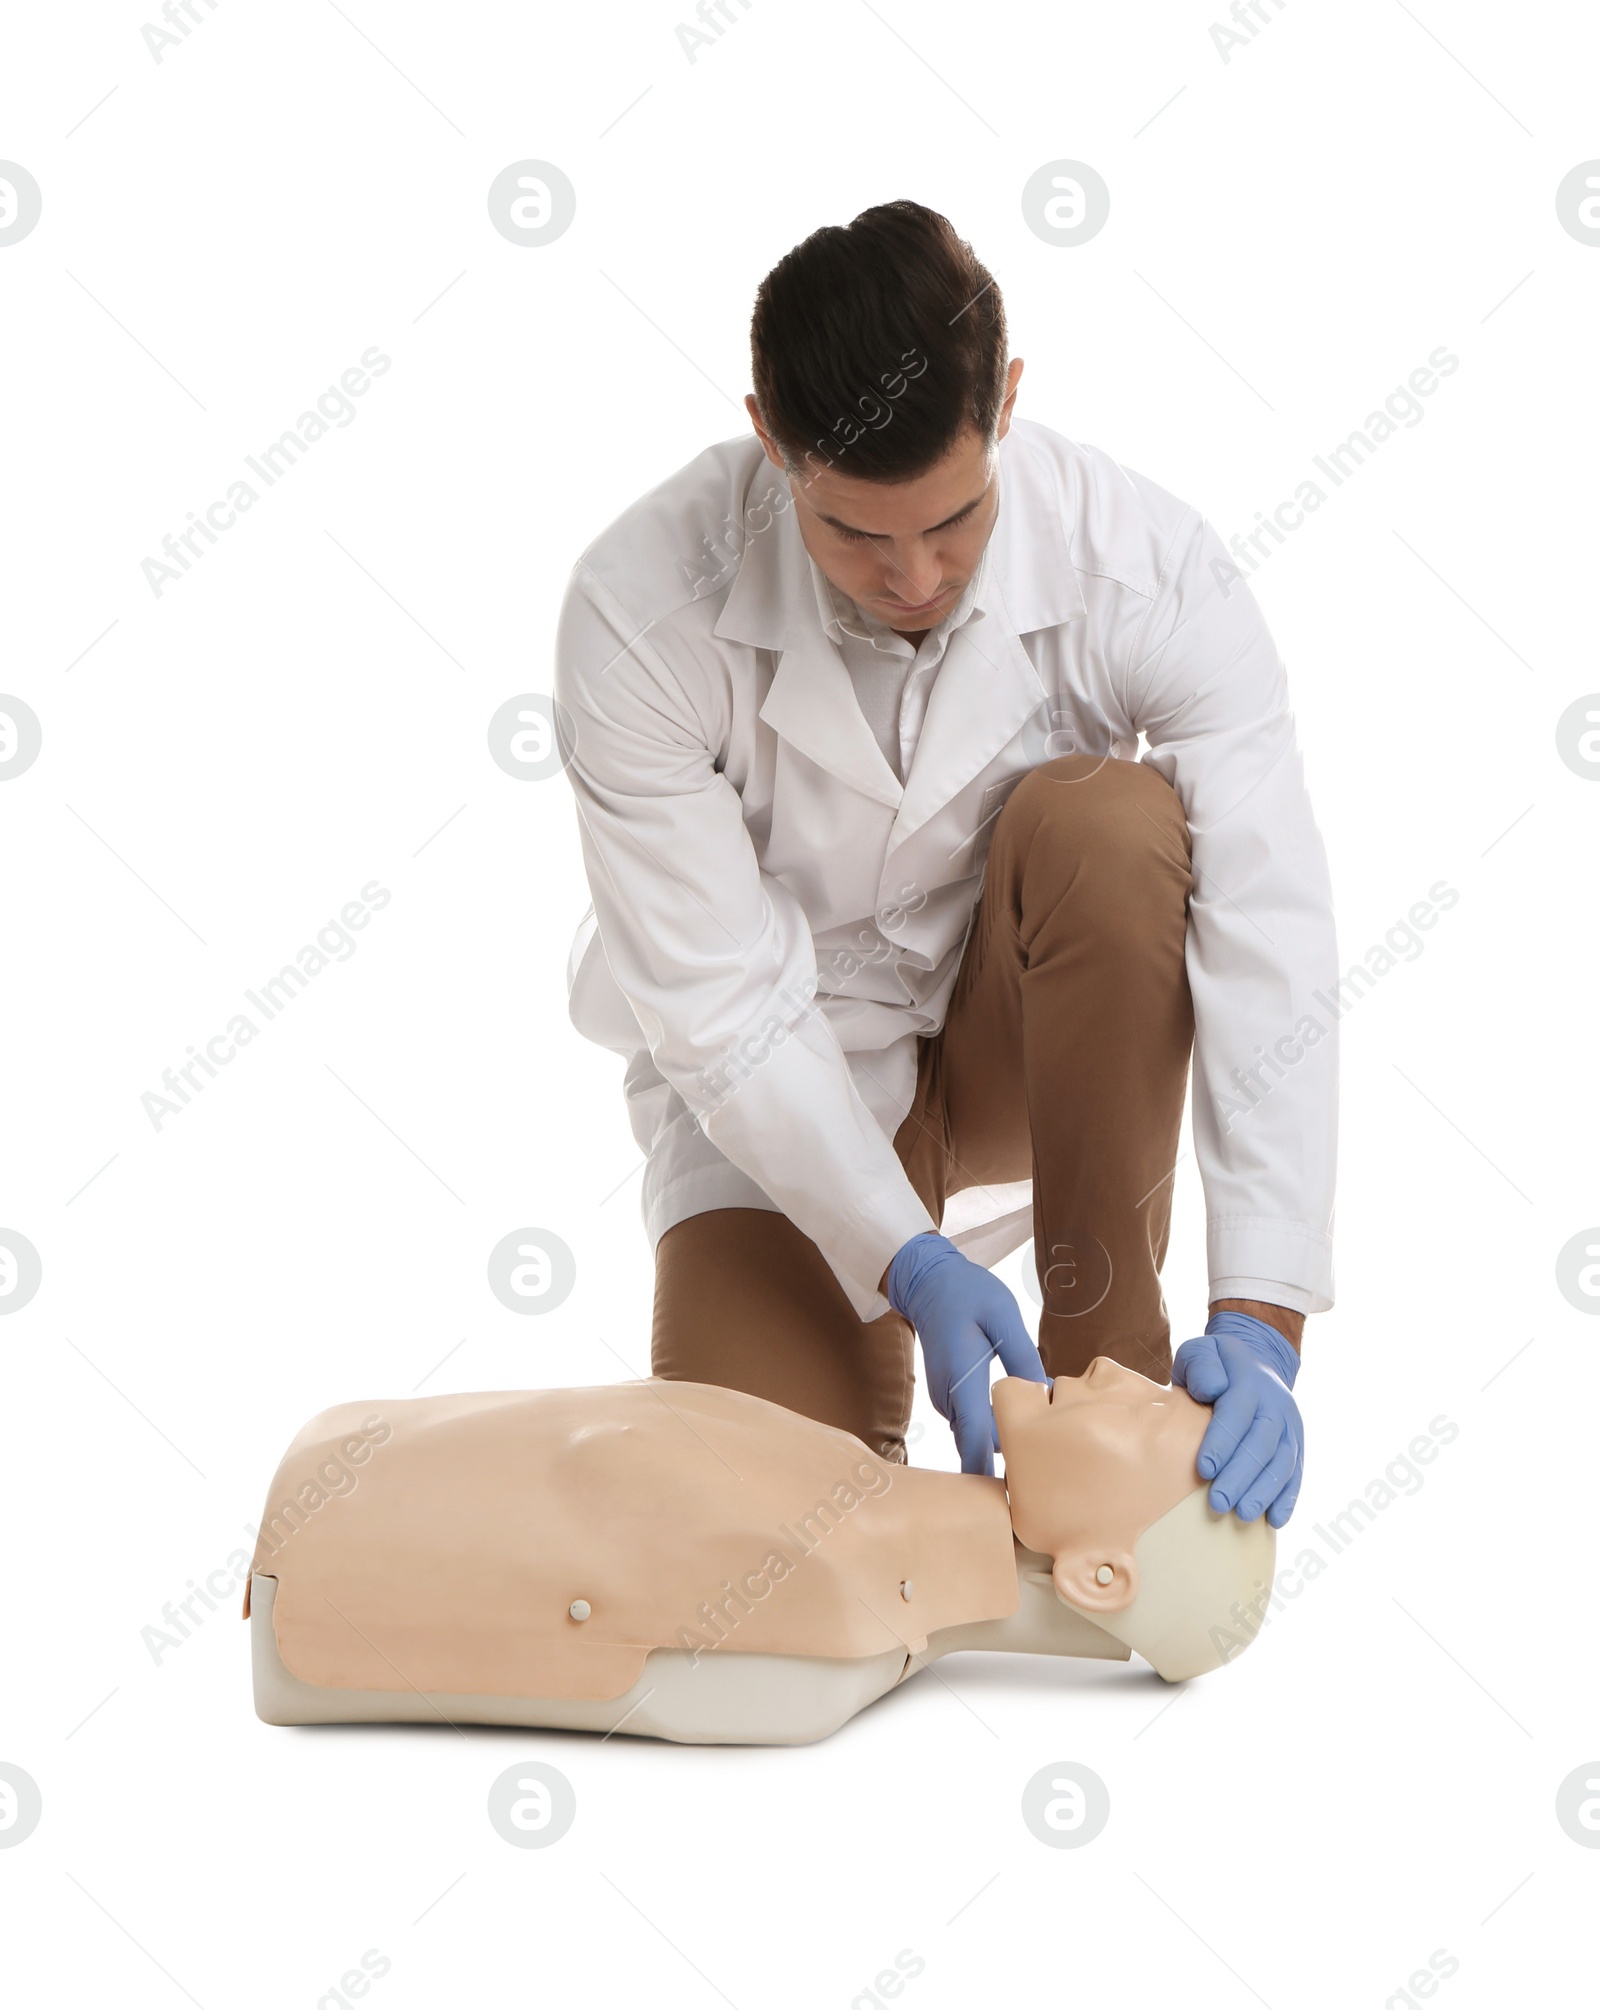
<point x="876" y="344"/>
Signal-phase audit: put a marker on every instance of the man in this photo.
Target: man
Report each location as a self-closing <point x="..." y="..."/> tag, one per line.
<point x="897" y="932"/>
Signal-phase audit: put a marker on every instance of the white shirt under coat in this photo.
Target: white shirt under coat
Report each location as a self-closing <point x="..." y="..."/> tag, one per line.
<point x="778" y="912"/>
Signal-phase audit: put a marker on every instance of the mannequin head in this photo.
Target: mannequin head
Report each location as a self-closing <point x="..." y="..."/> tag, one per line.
<point x="1100" y="1470"/>
<point x="1091" y="1461"/>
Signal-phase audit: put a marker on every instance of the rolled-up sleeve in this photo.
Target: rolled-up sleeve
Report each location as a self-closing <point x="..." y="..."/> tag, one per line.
<point x="1205" y="686"/>
<point x="714" y="956"/>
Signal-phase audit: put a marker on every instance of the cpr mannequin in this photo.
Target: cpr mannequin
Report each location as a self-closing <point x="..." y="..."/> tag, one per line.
<point x="676" y="1560"/>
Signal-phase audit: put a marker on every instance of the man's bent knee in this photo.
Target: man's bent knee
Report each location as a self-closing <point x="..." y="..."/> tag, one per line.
<point x="1094" y="792"/>
<point x="1120" y="817"/>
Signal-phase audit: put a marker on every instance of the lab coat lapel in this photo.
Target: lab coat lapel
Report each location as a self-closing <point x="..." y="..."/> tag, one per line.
<point x="985" y="692"/>
<point x="987" y="687"/>
<point x="812" y="705"/>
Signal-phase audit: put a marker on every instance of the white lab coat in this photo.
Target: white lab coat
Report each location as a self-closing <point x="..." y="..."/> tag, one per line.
<point x="776" y="918"/>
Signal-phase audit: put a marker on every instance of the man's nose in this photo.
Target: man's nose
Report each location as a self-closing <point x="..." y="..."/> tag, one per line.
<point x="913" y="576"/>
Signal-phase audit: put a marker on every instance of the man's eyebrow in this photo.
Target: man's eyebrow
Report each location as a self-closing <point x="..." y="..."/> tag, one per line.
<point x="838" y="524"/>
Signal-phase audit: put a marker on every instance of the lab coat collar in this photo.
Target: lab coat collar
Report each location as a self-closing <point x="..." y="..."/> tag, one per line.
<point x="812" y="704"/>
<point x="986" y="687"/>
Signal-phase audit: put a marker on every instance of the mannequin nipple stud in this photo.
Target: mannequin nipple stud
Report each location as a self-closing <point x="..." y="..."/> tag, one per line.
<point x="579" y="1609"/>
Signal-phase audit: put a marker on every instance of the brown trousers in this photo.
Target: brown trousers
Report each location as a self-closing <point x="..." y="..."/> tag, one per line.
<point x="1064" y="1056"/>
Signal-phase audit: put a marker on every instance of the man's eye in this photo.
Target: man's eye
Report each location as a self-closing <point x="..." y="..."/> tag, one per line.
<point x="867" y="536"/>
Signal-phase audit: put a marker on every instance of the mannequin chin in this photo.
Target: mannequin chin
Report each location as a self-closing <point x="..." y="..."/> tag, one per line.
<point x="677" y="1560"/>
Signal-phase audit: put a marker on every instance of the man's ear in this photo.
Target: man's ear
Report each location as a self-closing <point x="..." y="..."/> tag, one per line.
<point x="1013" y="375"/>
<point x="1080" y="1578"/>
<point x="768" y="445"/>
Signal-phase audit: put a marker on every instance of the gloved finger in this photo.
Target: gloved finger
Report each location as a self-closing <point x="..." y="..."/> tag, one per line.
<point x="1020" y="1357"/>
<point x="1273" y="1477"/>
<point x="973" y="1425"/>
<point x="1232" y="1414"/>
<point x="1249" y="1461"/>
<point x="972" y="1418"/>
<point x="1197" y="1367"/>
<point x="1284" y="1505"/>
<point x="975" y="1351"/>
<point x="1011" y="1340"/>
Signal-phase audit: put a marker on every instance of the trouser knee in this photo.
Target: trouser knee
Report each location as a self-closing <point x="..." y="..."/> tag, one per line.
<point x="1108" y="835"/>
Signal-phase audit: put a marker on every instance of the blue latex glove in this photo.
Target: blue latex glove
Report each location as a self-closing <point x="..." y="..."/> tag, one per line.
<point x="964" y="1316"/>
<point x="1254" y="1446"/>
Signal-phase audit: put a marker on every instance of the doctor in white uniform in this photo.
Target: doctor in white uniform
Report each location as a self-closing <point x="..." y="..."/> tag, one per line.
<point x="905" y="941"/>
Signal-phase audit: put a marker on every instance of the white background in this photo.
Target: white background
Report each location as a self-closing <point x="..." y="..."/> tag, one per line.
<point x="224" y="766"/>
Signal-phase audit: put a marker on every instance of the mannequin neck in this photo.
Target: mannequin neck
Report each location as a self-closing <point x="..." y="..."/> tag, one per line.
<point x="1042" y="1623"/>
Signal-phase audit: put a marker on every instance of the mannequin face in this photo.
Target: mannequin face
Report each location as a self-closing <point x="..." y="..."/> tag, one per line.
<point x="1091" y="1461"/>
<point x="1121" y="1399"/>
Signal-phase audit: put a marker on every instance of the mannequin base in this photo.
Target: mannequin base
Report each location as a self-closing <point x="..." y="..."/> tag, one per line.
<point x="713" y="1698"/>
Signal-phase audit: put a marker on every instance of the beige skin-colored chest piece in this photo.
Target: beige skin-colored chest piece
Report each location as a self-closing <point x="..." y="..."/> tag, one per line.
<point x="683" y="1561"/>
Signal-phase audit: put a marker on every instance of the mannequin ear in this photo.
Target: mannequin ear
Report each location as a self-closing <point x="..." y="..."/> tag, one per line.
<point x="1079" y="1578"/>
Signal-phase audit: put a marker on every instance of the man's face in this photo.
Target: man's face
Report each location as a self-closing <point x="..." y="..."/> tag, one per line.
<point x="904" y="551"/>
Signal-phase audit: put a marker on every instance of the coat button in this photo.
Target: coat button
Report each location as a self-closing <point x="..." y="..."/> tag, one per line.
<point x="578" y="1609"/>
<point x="906" y="1590"/>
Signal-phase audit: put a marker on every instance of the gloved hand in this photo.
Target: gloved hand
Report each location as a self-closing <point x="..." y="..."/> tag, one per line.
<point x="964" y="1316"/>
<point x="1254" y="1446"/>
